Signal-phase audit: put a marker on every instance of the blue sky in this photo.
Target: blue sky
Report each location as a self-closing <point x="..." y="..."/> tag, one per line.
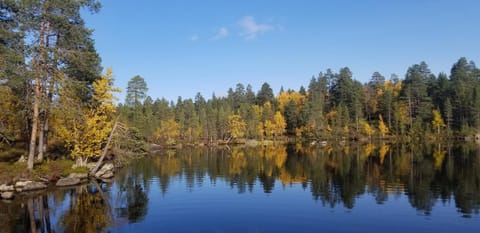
<point x="183" y="47"/>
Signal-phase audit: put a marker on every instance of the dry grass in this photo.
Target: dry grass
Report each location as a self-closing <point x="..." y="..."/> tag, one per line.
<point x="48" y="170"/>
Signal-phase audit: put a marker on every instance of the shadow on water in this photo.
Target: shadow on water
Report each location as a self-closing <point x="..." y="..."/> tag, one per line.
<point x="425" y="175"/>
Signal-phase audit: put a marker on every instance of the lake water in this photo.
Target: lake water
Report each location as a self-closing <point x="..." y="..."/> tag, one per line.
<point x="361" y="188"/>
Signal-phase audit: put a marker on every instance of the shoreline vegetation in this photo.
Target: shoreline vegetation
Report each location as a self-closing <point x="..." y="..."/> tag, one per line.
<point x="16" y="180"/>
<point x="59" y="112"/>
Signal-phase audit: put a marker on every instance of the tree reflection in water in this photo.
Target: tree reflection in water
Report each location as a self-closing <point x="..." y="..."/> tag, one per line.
<point x="339" y="174"/>
<point x="89" y="211"/>
<point x="427" y="175"/>
<point x="134" y="201"/>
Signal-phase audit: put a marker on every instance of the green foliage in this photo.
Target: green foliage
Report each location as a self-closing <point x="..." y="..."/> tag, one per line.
<point x="61" y="167"/>
<point x="136" y="91"/>
<point x="335" y="105"/>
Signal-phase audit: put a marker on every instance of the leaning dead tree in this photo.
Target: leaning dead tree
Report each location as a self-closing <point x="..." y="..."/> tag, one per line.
<point x="105" y="149"/>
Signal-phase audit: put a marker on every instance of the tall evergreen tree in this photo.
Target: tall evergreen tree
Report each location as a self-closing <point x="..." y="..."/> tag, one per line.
<point x="136" y="91"/>
<point x="416" y="95"/>
<point x="265" y="94"/>
<point x="464" y="81"/>
<point x="61" y="47"/>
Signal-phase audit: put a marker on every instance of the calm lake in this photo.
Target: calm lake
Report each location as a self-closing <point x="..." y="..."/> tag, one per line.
<point x="357" y="188"/>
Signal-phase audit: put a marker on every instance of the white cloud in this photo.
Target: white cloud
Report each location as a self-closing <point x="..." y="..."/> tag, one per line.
<point x="250" y="28"/>
<point x="220" y="33"/>
<point x="194" y="37"/>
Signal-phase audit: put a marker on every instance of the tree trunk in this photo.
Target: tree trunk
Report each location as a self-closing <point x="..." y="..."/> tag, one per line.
<point x="41" y="138"/>
<point x="45" y="133"/>
<point x="33" y="137"/>
<point x="105" y="149"/>
<point x="36" y="99"/>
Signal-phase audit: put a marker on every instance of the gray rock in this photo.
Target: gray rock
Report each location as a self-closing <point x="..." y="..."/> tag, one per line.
<point x="108" y="167"/>
<point x="81" y="176"/>
<point x="105" y="171"/>
<point x="7" y="195"/>
<point x="69" y="181"/>
<point x="34" y="186"/>
<point x="22" y="159"/>
<point x="21" y="184"/>
<point x="107" y="175"/>
<point x="6" y="188"/>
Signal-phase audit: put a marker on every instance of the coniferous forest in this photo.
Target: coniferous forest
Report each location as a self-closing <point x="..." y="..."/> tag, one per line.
<point x="334" y="105"/>
<point x="53" y="95"/>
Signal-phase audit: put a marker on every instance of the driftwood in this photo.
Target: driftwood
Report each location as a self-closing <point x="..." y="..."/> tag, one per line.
<point x="105" y="149"/>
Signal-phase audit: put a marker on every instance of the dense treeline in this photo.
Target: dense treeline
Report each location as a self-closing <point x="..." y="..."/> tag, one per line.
<point x="333" y="106"/>
<point x="53" y="95"/>
<point x="52" y="92"/>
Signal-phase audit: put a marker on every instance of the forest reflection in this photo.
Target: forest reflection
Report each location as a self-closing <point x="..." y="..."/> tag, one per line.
<point x="84" y="208"/>
<point x="427" y="175"/>
<point x="335" y="175"/>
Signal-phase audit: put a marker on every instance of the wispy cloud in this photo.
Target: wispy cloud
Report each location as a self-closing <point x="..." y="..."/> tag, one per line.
<point x="220" y="33"/>
<point x="250" y="28"/>
<point x="193" y="37"/>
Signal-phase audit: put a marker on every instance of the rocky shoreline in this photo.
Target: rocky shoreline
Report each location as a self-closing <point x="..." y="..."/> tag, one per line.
<point x="9" y="190"/>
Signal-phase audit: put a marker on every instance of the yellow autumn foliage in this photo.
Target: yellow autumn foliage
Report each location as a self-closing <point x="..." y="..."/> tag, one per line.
<point x="85" y="128"/>
<point x="367" y="151"/>
<point x="237" y="162"/>
<point x="439" y="156"/>
<point x="382" y="127"/>
<point x="369" y="130"/>
<point x="285" y="97"/>
<point x="236" y="126"/>
<point x="437" y="121"/>
<point x="382" y="152"/>
<point x="269" y="128"/>
<point x="168" y="132"/>
<point x="280" y="124"/>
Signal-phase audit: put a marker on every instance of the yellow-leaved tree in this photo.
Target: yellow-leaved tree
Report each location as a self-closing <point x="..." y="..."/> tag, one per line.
<point x="85" y="127"/>
<point x="269" y="128"/>
<point x="168" y="132"/>
<point x="381" y="126"/>
<point x="236" y="126"/>
<point x="284" y="98"/>
<point x="279" y="124"/>
<point x="437" y="121"/>
<point x="369" y="130"/>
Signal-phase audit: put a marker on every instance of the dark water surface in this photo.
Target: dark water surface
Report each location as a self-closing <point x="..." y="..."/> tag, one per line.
<point x="363" y="188"/>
